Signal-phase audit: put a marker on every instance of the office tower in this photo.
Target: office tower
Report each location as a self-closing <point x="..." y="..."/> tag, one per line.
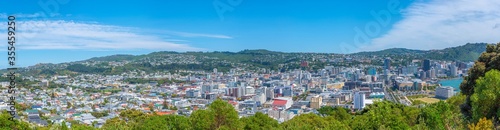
<point x="359" y="100"/>
<point x="432" y="73"/>
<point x="453" y="70"/>
<point x="423" y="75"/>
<point x="372" y="71"/>
<point x="387" y="63"/>
<point x="426" y="66"/>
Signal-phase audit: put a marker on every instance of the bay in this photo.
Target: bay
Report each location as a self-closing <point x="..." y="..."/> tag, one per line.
<point x="455" y="83"/>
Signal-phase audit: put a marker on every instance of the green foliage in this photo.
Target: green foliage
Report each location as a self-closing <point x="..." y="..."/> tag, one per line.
<point x="488" y="60"/>
<point x="486" y="96"/>
<point x="467" y="52"/>
<point x="86" y="69"/>
<point x="259" y="121"/>
<point x="441" y="115"/>
<point x="21" y="107"/>
<point x="113" y="58"/>
<point x="312" y="122"/>
<point x="168" y="122"/>
<point x="338" y="113"/>
<point x="99" y="114"/>
<point x="81" y="127"/>
<point x="64" y="126"/>
<point x="224" y="115"/>
<point x="432" y="87"/>
<point x="456" y="101"/>
<point x="201" y="119"/>
<point x="219" y="115"/>
<point x="483" y="124"/>
<point x="115" y="124"/>
<point x="417" y="102"/>
<point x="159" y="81"/>
<point x="133" y="115"/>
<point x="386" y="115"/>
<point x="6" y="124"/>
<point x="391" y="51"/>
<point x="417" y="96"/>
<point x="136" y="80"/>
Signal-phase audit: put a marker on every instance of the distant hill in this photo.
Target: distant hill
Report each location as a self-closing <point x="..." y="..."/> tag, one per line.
<point x="119" y="57"/>
<point x="467" y="52"/>
<point x="249" y="59"/>
<point x="391" y="51"/>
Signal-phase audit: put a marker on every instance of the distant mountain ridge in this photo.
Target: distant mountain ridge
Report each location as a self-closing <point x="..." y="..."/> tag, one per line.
<point x="467" y="52"/>
<point x="251" y="59"/>
<point x="389" y="51"/>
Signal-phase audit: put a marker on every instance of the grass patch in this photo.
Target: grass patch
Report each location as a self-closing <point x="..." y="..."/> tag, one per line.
<point x="428" y="100"/>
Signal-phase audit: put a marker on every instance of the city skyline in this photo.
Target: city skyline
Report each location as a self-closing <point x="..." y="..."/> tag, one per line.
<point x="48" y="31"/>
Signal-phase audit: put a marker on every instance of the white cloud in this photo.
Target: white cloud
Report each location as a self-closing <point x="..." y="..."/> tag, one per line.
<point x="185" y="34"/>
<point x="439" y="24"/>
<point x="63" y="34"/>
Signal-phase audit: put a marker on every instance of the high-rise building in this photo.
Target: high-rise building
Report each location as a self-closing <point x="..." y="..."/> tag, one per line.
<point x="426" y="66"/>
<point x="270" y="93"/>
<point x="359" y="100"/>
<point x="423" y="75"/>
<point x="412" y="69"/>
<point x="432" y="73"/>
<point x="453" y="70"/>
<point x="387" y="63"/>
<point x="372" y="71"/>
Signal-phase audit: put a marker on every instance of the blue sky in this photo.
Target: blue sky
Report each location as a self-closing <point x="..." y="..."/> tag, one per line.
<point x="55" y="31"/>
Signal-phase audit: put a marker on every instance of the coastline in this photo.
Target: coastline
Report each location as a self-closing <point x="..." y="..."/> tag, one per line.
<point x="453" y="82"/>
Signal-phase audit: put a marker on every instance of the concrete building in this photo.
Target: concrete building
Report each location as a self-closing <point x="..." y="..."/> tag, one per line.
<point x="44" y="83"/>
<point x="192" y="93"/>
<point x="404" y="85"/>
<point x="316" y="102"/>
<point x="281" y="115"/>
<point x="260" y="98"/>
<point x="206" y="89"/>
<point x="453" y="70"/>
<point x="282" y="102"/>
<point x="249" y="90"/>
<point x="359" y="100"/>
<point x="287" y="91"/>
<point x="423" y="75"/>
<point x="432" y="73"/>
<point x="270" y="93"/>
<point x="444" y="92"/>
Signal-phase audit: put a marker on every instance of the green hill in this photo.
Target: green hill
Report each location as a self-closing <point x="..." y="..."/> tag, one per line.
<point x="248" y="59"/>
<point x="467" y="52"/>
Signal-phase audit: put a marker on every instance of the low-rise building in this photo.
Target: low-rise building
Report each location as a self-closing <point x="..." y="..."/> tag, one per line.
<point x="444" y="92"/>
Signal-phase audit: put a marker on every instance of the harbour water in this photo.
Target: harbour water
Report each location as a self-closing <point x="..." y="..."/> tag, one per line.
<point x="455" y="83"/>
